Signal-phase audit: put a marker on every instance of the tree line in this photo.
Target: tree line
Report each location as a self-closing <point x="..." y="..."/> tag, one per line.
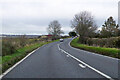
<point x="84" y="25"/>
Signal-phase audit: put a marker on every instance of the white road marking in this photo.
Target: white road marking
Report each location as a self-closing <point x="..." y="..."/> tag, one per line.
<point x="10" y="69"/>
<point x="91" y="52"/>
<point x="99" y="72"/>
<point x="67" y="55"/>
<point x="82" y="66"/>
<point x="59" y="47"/>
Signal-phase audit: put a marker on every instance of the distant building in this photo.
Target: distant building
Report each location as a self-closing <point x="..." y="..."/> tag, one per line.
<point x="119" y="13"/>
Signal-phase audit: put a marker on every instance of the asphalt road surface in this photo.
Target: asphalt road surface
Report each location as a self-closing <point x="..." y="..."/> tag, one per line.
<point x="59" y="60"/>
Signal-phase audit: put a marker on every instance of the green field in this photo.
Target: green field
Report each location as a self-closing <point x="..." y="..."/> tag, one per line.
<point x="112" y="52"/>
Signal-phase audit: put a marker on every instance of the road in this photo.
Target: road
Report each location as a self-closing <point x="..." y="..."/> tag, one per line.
<point x="59" y="60"/>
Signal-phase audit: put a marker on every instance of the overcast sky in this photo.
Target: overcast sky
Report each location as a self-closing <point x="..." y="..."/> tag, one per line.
<point x="33" y="16"/>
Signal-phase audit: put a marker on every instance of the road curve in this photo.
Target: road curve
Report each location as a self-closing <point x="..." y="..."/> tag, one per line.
<point x="49" y="62"/>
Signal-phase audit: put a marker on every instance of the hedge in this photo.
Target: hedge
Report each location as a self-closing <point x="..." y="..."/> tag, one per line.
<point x="112" y="52"/>
<point x="113" y="42"/>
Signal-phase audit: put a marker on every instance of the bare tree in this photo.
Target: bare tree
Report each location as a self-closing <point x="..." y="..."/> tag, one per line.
<point x="55" y="29"/>
<point x="84" y="25"/>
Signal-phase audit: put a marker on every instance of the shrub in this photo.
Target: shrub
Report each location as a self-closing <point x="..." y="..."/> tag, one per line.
<point x="113" y="42"/>
<point x="8" y="47"/>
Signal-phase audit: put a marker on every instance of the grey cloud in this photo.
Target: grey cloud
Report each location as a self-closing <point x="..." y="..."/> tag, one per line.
<point x="24" y="16"/>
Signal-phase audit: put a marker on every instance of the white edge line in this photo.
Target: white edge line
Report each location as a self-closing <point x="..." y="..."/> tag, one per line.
<point x="10" y="69"/>
<point x="91" y="52"/>
<point x="87" y="65"/>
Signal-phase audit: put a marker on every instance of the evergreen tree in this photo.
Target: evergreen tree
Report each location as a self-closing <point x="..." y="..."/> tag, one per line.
<point x="110" y="28"/>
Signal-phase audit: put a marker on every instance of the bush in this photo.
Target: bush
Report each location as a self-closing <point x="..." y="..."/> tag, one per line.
<point x="8" y="47"/>
<point x="83" y="40"/>
<point x="113" y="42"/>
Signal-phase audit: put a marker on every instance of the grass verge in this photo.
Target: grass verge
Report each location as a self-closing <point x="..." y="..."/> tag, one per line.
<point x="10" y="60"/>
<point x="112" y="52"/>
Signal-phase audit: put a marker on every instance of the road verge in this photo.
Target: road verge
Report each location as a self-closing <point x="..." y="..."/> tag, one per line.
<point x="112" y="52"/>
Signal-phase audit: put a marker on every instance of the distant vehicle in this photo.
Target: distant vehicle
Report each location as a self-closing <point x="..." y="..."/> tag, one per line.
<point x="61" y="40"/>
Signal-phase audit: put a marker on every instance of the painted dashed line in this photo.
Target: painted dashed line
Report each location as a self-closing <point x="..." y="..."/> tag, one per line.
<point x="82" y="66"/>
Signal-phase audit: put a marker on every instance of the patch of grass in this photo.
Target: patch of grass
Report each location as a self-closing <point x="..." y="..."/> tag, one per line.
<point x="112" y="52"/>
